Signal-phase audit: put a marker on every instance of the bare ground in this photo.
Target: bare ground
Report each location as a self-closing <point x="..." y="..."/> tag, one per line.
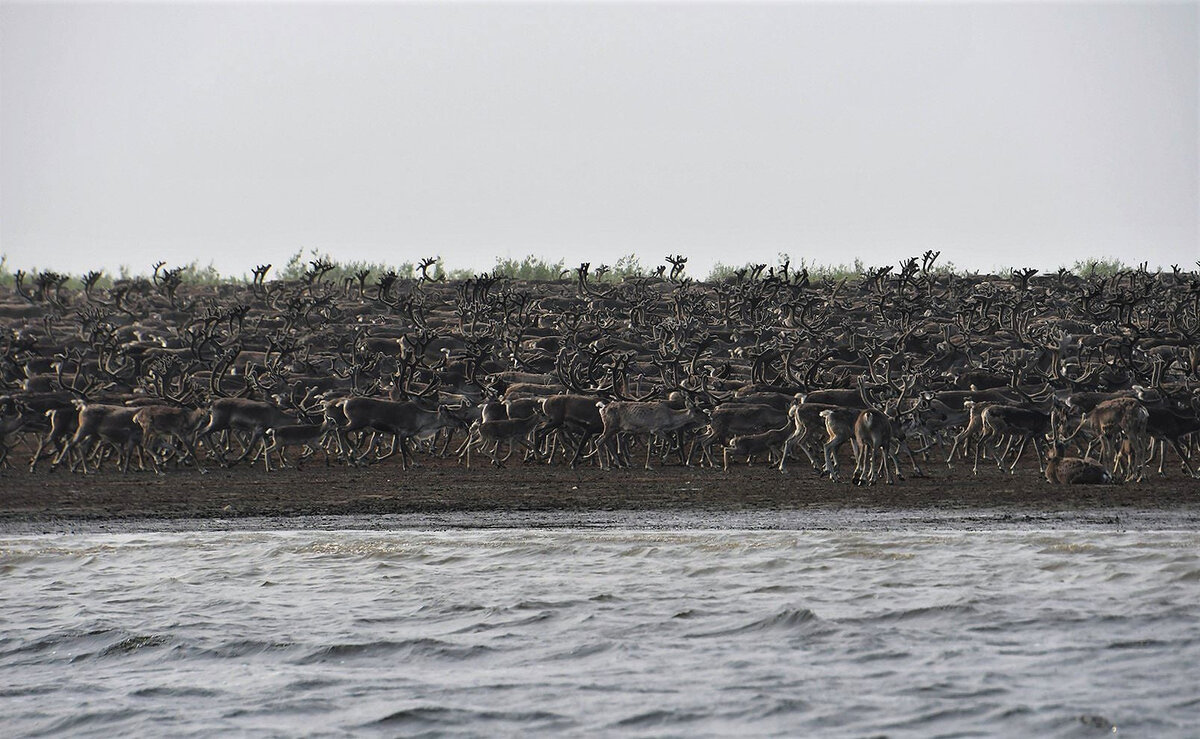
<point x="441" y="486"/>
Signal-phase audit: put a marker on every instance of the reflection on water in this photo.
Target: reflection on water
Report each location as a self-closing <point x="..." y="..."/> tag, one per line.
<point x="511" y="632"/>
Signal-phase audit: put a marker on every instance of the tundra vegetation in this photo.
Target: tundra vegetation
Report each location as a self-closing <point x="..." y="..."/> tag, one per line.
<point x="1089" y="373"/>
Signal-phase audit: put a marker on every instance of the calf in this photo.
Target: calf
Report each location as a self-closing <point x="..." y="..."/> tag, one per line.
<point x="1015" y="422"/>
<point x="751" y="445"/>
<point x="310" y="436"/>
<point x="512" y="430"/>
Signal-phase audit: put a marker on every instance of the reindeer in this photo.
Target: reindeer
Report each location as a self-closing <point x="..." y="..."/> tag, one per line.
<point x="1115" y="419"/>
<point x="568" y="415"/>
<point x="873" y="440"/>
<point x="1014" y="422"/>
<point x="735" y="419"/>
<point x="839" y="425"/>
<point x="1124" y="460"/>
<point x="807" y="427"/>
<point x="62" y="425"/>
<point x="242" y="414"/>
<point x="874" y="431"/>
<point x="750" y="445"/>
<point x="10" y="424"/>
<point x="1063" y="470"/>
<point x="501" y="381"/>
<point x="103" y="423"/>
<point x="310" y="436"/>
<point x="973" y="429"/>
<point x="531" y="390"/>
<point x="1165" y="426"/>
<point x="402" y="419"/>
<point x="652" y="418"/>
<point x="177" y="424"/>
<point x="512" y="430"/>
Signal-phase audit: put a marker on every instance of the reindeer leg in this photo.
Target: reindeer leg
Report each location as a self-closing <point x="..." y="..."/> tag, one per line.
<point x="895" y="473"/>
<point x="978" y="447"/>
<point x="787" y="448"/>
<point x="830" y="449"/>
<point x="191" y="450"/>
<point x="1037" y="447"/>
<point x="911" y="458"/>
<point x="583" y="439"/>
<point x="1012" y="469"/>
<point x="1184" y="457"/>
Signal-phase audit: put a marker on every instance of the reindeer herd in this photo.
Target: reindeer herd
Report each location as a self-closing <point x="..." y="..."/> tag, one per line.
<point x="1095" y="377"/>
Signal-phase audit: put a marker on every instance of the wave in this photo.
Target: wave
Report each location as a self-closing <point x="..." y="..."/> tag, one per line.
<point x="581" y="651"/>
<point x="424" y="647"/>
<point x="85" y="721"/>
<point x="483" y="626"/>
<point x="656" y="717"/>
<point x="134" y="643"/>
<point x="243" y="648"/>
<point x="76" y="646"/>
<point x="787" y="619"/>
<point x="923" y="612"/>
<point x="439" y="717"/>
<point x="56" y="641"/>
<point x="1140" y="644"/>
<point x="537" y="605"/>
<point x="160" y="691"/>
<point x="586" y="642"/>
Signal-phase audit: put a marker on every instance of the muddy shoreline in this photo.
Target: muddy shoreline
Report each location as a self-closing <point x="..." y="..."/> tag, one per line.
<point x="441" y="493"/>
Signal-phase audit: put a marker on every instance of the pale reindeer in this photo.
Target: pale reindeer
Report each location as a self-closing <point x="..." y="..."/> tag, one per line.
<point x="653" y="418"/>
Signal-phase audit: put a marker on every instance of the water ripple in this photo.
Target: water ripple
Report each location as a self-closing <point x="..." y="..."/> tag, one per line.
<point x="601" y="631"/>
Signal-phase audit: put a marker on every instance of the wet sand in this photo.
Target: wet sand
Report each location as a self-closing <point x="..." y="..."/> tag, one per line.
<point x="441" y="491"/>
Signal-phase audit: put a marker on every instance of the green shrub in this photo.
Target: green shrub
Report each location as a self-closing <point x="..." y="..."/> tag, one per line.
<point x="529" y="268"/>
<point x="299" y="266"/>
<point x="1104" y="267"/>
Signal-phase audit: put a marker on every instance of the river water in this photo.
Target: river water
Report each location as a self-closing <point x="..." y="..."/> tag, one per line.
<point x="610" y="630"/>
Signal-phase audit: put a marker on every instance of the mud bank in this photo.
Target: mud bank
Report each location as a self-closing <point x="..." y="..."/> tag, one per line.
<point x="443" y="493"/>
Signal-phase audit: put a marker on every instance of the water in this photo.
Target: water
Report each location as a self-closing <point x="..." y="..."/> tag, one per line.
<point x="512" y="632"/>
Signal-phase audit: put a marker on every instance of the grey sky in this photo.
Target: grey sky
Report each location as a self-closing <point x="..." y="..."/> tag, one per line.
<point x="1001" y="134"/>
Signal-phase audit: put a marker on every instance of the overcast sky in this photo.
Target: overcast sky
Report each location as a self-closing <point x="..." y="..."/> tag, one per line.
<point x="1001" y="134"/>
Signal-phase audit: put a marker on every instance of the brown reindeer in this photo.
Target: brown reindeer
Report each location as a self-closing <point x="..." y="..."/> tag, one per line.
<point x="737" y="419"/>
<point x="1013" y="422"/>
<point x="973" y="430"/>
<point x="514" y="431"/>
<point x="873" y="447"/>
<point x="62" y="424"/>
<point x="1113" y="420"/>
<point x="402" y="419"/>
<point x="242" y="414"/>
<point x="1063" y="470"/>
<point x="178" y="425"/>
<point x="1165" y="426"/>
<point x="98" y="424"/>
<point x="567" y="416"/>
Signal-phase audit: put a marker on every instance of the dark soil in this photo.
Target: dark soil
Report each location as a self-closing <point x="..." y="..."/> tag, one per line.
<point x="440" y="486"/>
